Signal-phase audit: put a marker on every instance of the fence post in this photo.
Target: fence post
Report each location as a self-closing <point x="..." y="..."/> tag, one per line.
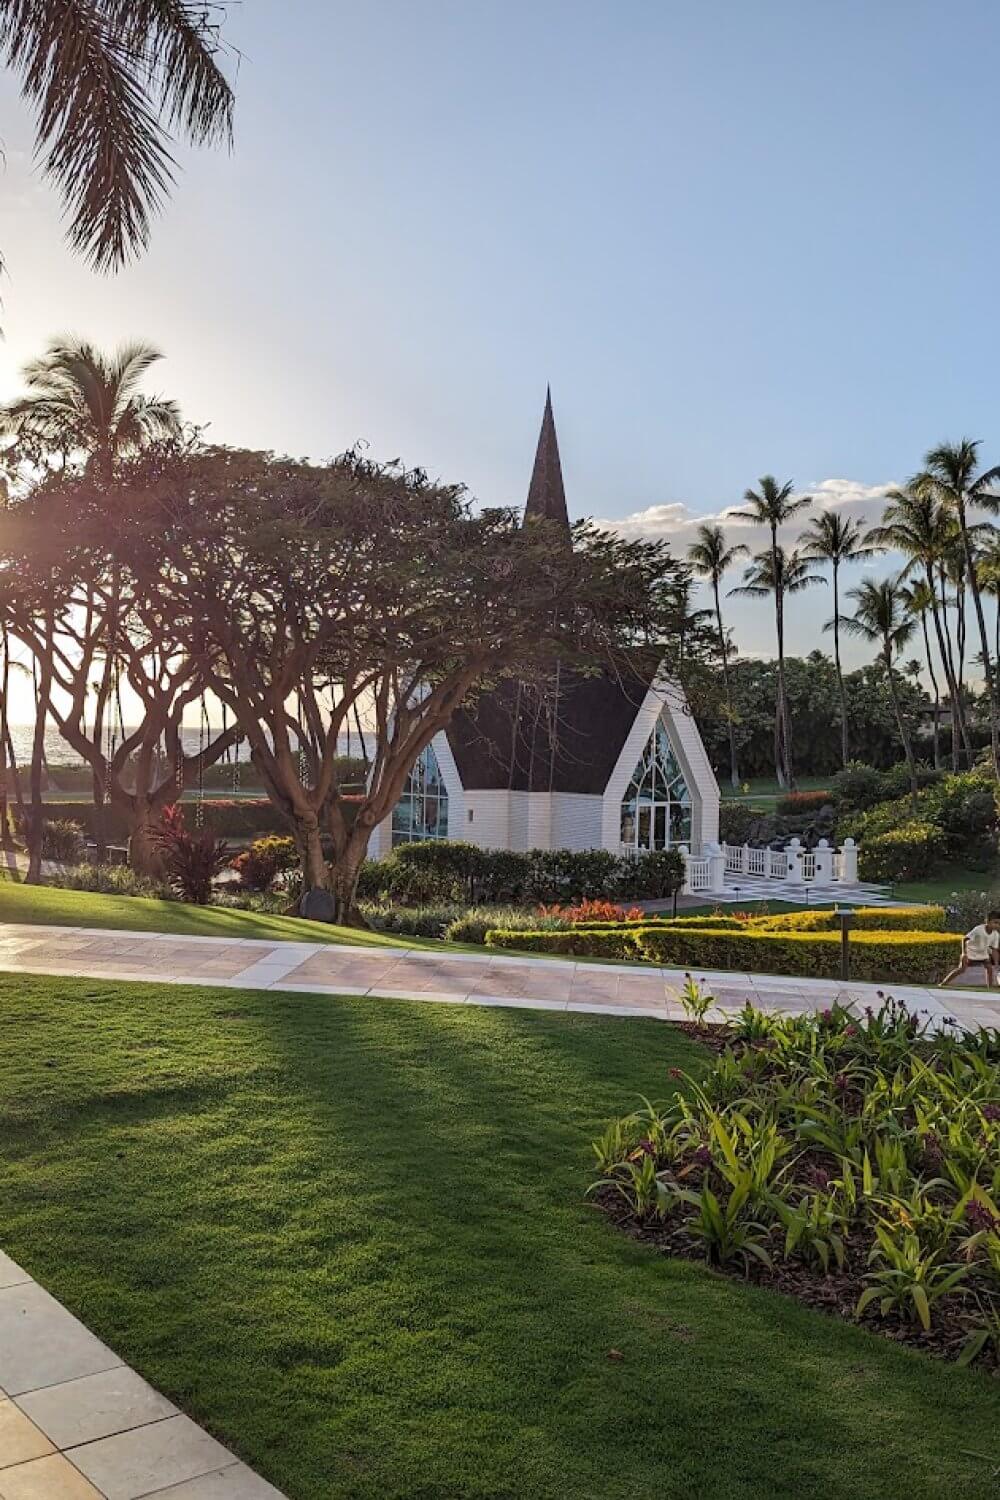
<point x="849" y="862"/>
<point x="745" y="860"/>
<point x="716" y="868"/>
<point x="795" y="860"/>
<point x="824" y="863"/>
<point x="685" y="854"/>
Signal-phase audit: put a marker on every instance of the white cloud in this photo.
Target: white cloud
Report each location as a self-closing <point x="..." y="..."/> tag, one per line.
<point x="676" y="523"/>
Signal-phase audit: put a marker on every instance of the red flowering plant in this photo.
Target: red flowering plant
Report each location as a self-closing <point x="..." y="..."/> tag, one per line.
<point x="585" y="912"/>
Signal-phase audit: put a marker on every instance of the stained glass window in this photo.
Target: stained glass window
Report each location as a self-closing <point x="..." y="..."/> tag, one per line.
<point x="422" y="810"/>
<point x="656" y="809"/>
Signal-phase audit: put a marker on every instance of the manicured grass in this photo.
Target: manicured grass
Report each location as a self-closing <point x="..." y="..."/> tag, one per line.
<point x="952" y="878"/>
<point x="766" y="791"/>
<point x="51" y="906"/>
<point x="350" y="1237"/>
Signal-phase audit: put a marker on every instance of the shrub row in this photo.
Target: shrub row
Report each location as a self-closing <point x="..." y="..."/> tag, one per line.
<point x="442" y="871"/>
<point x="228" y="817"/>
<point x="905" y="853"/>
<point x="797" y="803"/>
<point x="907" y="957"/>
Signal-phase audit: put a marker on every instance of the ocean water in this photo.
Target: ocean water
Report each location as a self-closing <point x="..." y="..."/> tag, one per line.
<point x="58" y="753"/>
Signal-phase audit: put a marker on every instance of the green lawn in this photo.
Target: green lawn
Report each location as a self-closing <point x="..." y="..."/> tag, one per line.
<point x="952" y="878"/>
<point x="49" y="905"/>
<point x="349" y="1236"/>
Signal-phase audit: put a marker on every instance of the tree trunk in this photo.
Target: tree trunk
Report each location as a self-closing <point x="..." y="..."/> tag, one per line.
<point x="944" y="649"/>
<point x="344" y="886"/>
<point x="904" y="733"/>
<point x="5" y="832"/>
<point x="988" y="672"/>
<point x="937" y="695"/>
<point x="145" y="856"/>
<point x="734" y="771"/>
<point x="315" y="872"/>
<point x="782" y="757"/>
<point x="844" y="750"/>
<point x="36" y="825"/>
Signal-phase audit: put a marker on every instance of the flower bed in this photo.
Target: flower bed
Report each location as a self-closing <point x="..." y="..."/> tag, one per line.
<point x="852" y="1163"/>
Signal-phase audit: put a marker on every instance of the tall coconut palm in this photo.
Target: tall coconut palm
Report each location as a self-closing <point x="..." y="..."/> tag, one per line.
<point x="916" y="523"/>
<point x="952" y="472"/>
<point x="882" y="618"/>
<point x="773" y="505"/>
<point x="780" y="574"/>
<point x="711" y="559"/>
<point x="107" y="80"/>
<point x="919" y="600"/>
<point x="80" y="400"/>
<point x="836" y="540"/>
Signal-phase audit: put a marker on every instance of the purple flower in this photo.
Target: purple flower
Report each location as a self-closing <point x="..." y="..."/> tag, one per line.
<point x="703" y="1156"/>
<point x="850" y="1031"/>
<point x="646" y="1147"/>
<point x="991" y="1111"/>
<point x="979" y="1215"/>
<point x="841" y="1081"/>
<point x="675" y="1073"/>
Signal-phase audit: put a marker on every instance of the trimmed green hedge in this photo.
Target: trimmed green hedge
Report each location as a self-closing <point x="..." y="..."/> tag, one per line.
<point x="866" y="918"/>
<point x="908" y="957"/>
<point x="241" y="817"/>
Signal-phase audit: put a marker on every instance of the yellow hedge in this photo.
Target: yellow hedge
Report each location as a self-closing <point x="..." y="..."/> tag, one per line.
<point x="904" y="956"/>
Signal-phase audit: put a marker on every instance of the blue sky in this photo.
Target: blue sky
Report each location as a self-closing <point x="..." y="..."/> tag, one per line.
<point x="736" y="238"/>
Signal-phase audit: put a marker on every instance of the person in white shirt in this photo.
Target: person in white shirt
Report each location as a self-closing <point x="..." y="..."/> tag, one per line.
<point x="980" y="949"/>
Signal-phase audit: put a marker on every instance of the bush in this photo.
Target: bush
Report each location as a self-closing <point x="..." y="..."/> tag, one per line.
<point x="908" y="957"/>
<point x="192" y="859"/>
<point x="260" y="865"/>
<point x="111" y="880"/>
<point x="583" y="942"/>
<point x="798" y="803"/>
<point x="872" y="918"/>
<point x="592" y="914"/>
<point x="411" y="921"/>
<point x="736" y="822"/>
<point x="231" y="817"/>
<point x="441" y="872"/>
<point x="62" y="840"/>
<point x="651" y="875"/>
<point x="909" y="852"/>
<point x="472" y="926"/>
<point x="859" y="787"/>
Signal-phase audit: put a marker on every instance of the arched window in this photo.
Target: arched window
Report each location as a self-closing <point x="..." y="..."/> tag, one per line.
<point x="656" y="809"/>
<point x="422" y="810"/>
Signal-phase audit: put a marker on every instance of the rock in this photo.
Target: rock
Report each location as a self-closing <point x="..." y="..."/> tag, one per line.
<point x="317" y="904"/>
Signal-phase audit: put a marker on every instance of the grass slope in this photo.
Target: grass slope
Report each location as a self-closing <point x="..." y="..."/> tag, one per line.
<point x="51" y="906"/>
<point x="349" y="1236"/>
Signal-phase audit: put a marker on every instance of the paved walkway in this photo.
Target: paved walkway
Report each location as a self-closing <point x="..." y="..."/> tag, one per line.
<point x="457" y="978"/>
<point x="78" y="1424"/>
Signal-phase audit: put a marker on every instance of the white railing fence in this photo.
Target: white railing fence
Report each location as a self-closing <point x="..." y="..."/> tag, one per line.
<point x="825" y="865"/>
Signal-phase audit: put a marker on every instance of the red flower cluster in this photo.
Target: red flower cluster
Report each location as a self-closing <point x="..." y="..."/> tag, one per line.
<point x="593" y="911"/>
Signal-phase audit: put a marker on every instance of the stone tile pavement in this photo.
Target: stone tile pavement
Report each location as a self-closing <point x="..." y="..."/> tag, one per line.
<point x="78" y="1424"/>
<point x="401" y="972"/>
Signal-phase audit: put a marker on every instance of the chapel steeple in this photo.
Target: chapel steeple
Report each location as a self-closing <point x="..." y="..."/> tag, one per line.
<point x="546" y="496"/>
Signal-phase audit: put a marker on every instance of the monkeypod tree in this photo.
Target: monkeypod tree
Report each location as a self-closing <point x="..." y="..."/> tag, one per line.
<point x="70" y="592"/>
<point x="310" y="593"/>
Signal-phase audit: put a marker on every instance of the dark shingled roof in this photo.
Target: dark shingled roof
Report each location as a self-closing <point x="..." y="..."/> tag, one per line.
<point x="546" y="496"/>
<point x="504" y="742"/>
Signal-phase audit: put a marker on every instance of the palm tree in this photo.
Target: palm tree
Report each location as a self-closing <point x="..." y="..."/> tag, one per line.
<point x="779" y="573"/>
<point x="919" y="600"/>
<point x="711" y="558"/>
<point x="82" y="401"/>
<point x="836" y="540"/>
<point x="773" y="505"/>
<point x="951" y="471"/>
<point x="106" y="81"/>
<point x="916" y="524"/>
<point x="881" y="617"/>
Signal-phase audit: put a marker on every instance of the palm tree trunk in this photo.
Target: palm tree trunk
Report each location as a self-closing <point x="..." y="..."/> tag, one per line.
<point x="44" y="691"/>
<point x="844" y="749"/>
<point x="724" y="653"/>
<point x="991" y="685"/>
<point x="904" y="730"/>
<point x="937" y="695"/>
<point x="782" y="749"/>
<point x="942" y="629"/>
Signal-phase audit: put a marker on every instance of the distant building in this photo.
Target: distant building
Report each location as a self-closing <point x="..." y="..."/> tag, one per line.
<point x="596" y="763"/>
